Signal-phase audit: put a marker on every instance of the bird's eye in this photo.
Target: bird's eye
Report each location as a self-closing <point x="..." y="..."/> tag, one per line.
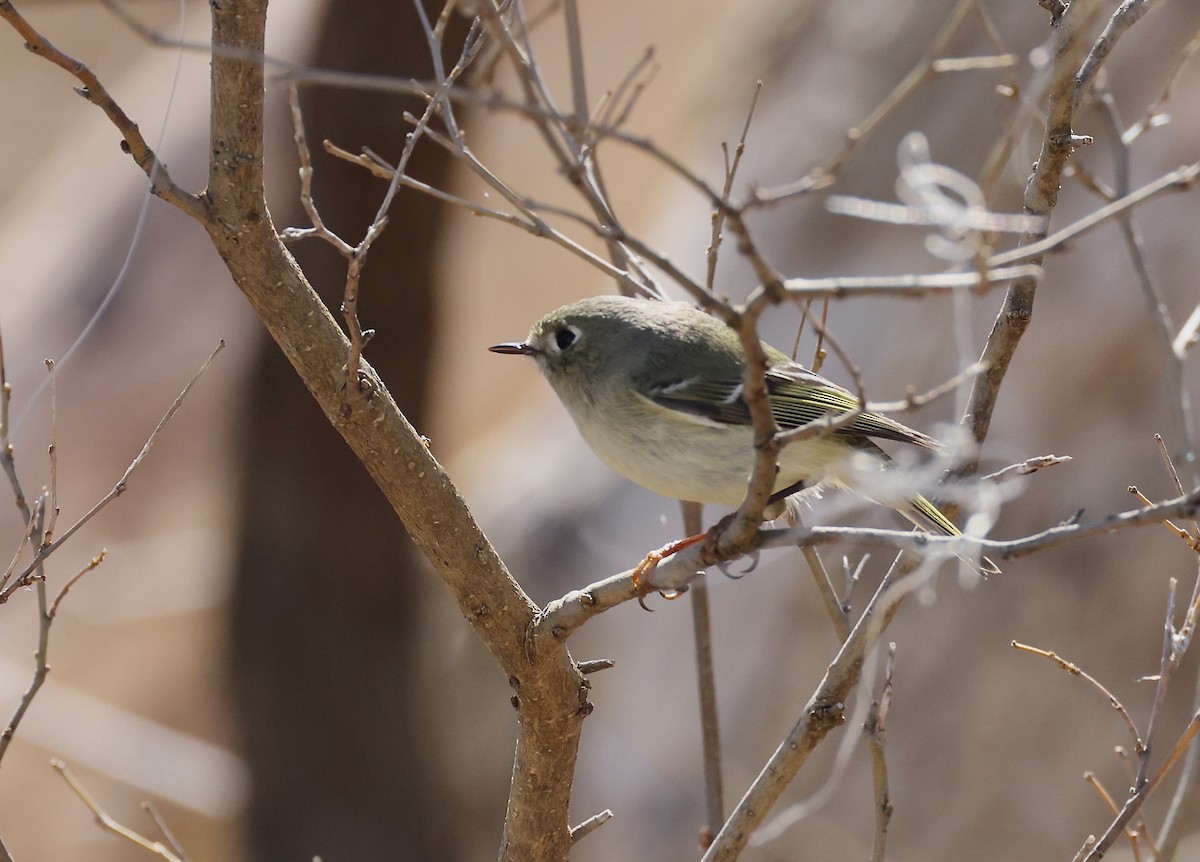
<point x="565" y="337"/>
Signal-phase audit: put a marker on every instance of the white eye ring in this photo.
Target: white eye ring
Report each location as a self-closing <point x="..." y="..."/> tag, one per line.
<point x="564" y="338"/>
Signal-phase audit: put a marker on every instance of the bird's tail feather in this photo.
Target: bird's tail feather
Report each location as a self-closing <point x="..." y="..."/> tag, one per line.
<point x="931" y="519"/>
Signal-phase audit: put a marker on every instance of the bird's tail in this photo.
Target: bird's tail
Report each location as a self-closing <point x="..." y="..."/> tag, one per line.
<point x="931" y="519"/>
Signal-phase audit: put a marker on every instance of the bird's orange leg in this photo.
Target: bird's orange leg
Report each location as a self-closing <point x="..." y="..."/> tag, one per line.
<point x="652" y="559"/>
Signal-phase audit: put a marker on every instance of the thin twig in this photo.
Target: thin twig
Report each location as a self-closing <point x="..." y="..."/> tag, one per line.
<point x="1176" y="752"/>
<point x="118" y="489"/>
<point x="1040" y="199"/>
<point x="902" y="286"/>
<point x="1075" y="670"/>
<point x="52" y="457"/>
<point x="731" y="167"/>
<point x="566" y="614"/>
<point x="1189" y="334"/>
<point x="1191" y="541"/>
<point x="874" y="731"/>
<point x="706" y="685"/>
<point x="1168" y="662"/>
<point x="27" y="539"/>
<point x="1030" y="465"/>
<point x="6" y="456"/>
<point x="913" y="400"/>
<point x="74" y="579"/>
<point x="1126" y="15"/>
<point x="106" y="822"/>
<point x="556" y="129"/>
<point x="575" y="61"/>
<point x="1153" y="114"/>
<point x="535" y="226"/>
<point x="587" y="827"/>
<point x="1184" y="433"/>
<point x="1135" y="801"/>
<point x="822" y="713"/>
<point x="318" y="228"/>
<point x="538" y="226"/>
<point x="835" y="608"/>
<point x="169" y="836"/>
<point x="95" y="92"/>
<point x="1111" y="804"/>
<point x="826" y="173"/>
<point x="1180" y="179"/>
<point x="620" y="103"/>
<point x="41" y="668"/>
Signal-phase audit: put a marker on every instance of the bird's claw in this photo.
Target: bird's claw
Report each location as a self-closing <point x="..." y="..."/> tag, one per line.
<point x="724" y="567"/>
<point x="639" y="579"/>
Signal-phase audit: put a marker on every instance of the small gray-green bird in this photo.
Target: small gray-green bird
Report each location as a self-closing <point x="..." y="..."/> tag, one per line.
<point x="655" y="389"/>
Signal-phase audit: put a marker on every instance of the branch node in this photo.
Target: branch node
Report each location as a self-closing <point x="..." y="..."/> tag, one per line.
<point x="594" y="665"/>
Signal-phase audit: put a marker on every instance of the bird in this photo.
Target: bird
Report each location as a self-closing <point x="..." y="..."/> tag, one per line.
<point x="655" y="388"/>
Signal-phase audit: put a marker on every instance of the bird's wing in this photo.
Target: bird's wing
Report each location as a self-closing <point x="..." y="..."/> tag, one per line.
<point x="797" y="396"/>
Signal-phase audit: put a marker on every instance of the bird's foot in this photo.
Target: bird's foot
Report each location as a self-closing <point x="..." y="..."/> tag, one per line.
<point x="642" y="571"/>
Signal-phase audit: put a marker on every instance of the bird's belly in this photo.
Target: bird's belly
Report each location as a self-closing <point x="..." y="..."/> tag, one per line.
<point x="704" y="462"/>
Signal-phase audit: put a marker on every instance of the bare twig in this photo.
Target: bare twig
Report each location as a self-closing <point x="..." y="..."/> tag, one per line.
<point x="1180" y="179"/>
<point x="1097" y="849"/>
<point x="566" y="614"/>
<point x="1189" y="334"/>
<point x="537" y="225"/>
<point x="1153" y="115"/>
<point x="534" y="226"/>
<point x="731" y="167"/>
<point x="874" y="731"/>
<point x="1184" y="433"/>
<point x="1126" y="15"/>
<point x="575" y="60"/>
<point x="822" y="713"/>
<point x="27" y="539"/>
<point x="564" y="143"/>
<point x="107" y="822"/>
<point x="620" y="102"/>
<point x="1175" y="753"/>
<point x="1175" y="643"/>
<point x="1171" y="652"/>
<point x="318" y="228"/>
<point x="905" y="286"/>
<point x="1191" y="541"/>
<point x="6" y="456"/>
<point x="95" y="92"/>
<point x="706" y="685"/>
<point x="587" y="827"/>
<point x="826" y="173"/>
<point x="93" y="563"/>
<point x="835" y="608"/>
<point x="1031" y="465"/>
<point x="169" y="836"/>
<point x="1041" y="196"/>
<point x="41" y="527"/>
<point x="1075" y="670"/>
<point x="52" y="456"/>
<point x="118" y="489"/>
<point x="41" y="667"/>
<point x="913" y="399"/>
<point x="1111" y="805"/>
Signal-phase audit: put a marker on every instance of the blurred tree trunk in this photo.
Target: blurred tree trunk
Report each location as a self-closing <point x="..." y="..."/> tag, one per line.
<point x="325" y="602"/>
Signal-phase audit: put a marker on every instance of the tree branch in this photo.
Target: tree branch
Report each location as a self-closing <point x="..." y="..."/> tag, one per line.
<point x="95" y="92"/>
<point x="551" y="695"/>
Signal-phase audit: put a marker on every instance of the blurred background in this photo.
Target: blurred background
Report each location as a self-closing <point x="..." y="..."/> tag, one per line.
<point x="264" y="655"/>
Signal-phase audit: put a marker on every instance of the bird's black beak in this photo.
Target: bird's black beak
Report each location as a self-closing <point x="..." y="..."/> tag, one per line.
<point x="518" y="348"/>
